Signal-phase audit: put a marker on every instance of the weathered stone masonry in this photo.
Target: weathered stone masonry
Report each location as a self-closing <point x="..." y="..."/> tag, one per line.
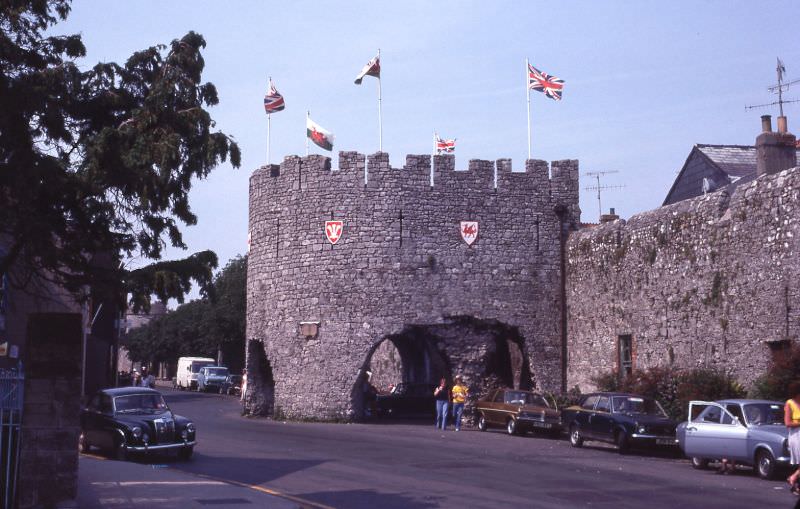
<point x="711" y="281"/>
<point x="400" y="263"/>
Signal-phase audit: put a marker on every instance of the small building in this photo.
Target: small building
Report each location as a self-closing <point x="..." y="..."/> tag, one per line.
<point x="712" y="167"/>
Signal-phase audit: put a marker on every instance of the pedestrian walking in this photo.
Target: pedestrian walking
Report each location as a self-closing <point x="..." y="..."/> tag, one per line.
<point x="147" y="380"/>
<point x="442" y="396"/>
<point x="791" y="417"/>
<point x="458" y="395"/>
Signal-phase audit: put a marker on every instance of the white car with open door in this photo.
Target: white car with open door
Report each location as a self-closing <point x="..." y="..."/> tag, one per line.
<point x="747" y="431"/>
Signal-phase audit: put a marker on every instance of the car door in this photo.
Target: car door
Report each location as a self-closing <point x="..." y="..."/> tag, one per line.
<point x="89" y="420"/>
<point x="601" y="421"/>
<point x="496" y="408"/>
<point x="584" y="415"/>
<point x="715" y="433"/>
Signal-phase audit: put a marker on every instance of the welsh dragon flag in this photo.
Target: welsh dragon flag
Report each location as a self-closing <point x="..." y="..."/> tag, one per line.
<point x="321" y="137"/>
<point x="373" y="68"/>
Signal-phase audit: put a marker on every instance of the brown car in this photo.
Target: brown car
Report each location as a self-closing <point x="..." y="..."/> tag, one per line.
<point x="518" y="412"/>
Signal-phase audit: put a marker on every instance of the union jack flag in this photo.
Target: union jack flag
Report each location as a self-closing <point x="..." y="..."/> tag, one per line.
<point x="543" y="82"/>
<point x="446" y="146"/>
<point x="273" y="101"/>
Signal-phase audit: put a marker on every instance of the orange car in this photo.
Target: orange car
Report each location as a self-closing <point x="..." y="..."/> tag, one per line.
<point x="518" y="412"/>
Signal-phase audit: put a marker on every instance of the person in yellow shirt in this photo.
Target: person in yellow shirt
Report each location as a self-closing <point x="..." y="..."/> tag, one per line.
<point x="791" y="417"/>
<point x="458" y="395"/>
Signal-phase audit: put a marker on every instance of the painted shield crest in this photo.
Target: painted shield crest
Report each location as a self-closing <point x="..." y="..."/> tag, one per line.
<point x="333" y="230"/>
<point x="469" y="231"/>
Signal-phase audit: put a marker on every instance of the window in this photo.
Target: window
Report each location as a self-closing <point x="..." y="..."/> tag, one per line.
<point x="588" y="403"/>
<point x="498" y="397"/>
<point x="625" y="349"/>
<point x="604" y="404"/>
<point x="712" y="413"/>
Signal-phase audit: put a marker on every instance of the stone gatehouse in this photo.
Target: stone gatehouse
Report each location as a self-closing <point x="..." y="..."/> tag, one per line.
<point x="401" y="272"/>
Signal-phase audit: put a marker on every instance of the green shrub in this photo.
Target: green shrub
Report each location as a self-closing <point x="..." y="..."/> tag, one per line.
<point x="674" y="388"/>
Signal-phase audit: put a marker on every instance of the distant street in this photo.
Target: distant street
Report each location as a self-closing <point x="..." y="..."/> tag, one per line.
<point x="415" y="466"/>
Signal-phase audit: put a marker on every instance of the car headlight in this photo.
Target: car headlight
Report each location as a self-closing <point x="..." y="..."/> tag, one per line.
<point x="136" y="431"/>
<point x="190" y="427"/>
<point x="642" y="430"/>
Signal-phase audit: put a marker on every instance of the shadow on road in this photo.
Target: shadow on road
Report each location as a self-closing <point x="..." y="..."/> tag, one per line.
<point x="355" y="499"/>
<point x="252" y="471"/>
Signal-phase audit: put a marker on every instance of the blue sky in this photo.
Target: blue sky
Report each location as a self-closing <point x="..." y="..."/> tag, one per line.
<point x="644" y="81"/>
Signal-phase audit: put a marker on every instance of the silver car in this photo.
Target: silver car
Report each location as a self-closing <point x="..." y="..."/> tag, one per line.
<point x="749" y="431"/>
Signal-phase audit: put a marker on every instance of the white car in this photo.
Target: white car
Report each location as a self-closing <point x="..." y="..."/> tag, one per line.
<point x="748" y="431"/>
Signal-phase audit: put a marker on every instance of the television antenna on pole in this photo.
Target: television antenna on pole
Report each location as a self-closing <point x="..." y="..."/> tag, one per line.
<point x="779" y="89"/>
<point x="599" y="188"/>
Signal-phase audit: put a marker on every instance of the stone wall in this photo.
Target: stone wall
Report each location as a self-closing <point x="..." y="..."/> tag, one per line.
<point x="712" y="281"/>
<point x="400" y="262"/>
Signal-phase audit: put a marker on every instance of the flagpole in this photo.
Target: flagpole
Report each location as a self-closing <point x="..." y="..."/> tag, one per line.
<point x="308" y="115"/>
<point x="380" y="122"/>
<point x="433" y="155"/>
<point x="528" y="93"/>
<point x="269" y="127"/>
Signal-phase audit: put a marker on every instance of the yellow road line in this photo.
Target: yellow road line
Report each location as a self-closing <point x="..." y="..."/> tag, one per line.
<point x="269" y="491"/>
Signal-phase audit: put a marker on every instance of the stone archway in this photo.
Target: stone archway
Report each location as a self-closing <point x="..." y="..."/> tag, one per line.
<point x="486" y="353"/>
<point x="260" y="395"/>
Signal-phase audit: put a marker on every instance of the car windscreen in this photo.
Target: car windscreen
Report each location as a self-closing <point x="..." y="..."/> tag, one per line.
<point x="217" y="371"/>
<point x="139" y="403"/>
<point x="763" y="413"/>
<point x="525" y="398"/>
<point x="197" y="366"/>
<point x="636" y="405"/>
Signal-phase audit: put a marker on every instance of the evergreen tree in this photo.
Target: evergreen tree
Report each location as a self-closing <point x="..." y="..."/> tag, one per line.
<point x="100" y="162"/>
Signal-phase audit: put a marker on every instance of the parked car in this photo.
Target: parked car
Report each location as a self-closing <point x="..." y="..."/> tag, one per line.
<point x="232" y="385"/>
<point x="134" y="420"/>
<point x="748" y="431"/>
<point x="188" y="367"/>
<point x="626" y="420"/>
<point x="211" y="378"/>
<point x="407" y="399"/>
<point x="517" y="412"/>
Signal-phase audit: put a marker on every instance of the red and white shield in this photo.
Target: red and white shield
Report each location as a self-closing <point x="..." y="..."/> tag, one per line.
<point x="469" y="231"/>
<point x="333" y="230"/>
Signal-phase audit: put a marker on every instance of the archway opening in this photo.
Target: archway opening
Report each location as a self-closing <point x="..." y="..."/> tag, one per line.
<point x="259" y="397"/>
<point x="401" y="370"/>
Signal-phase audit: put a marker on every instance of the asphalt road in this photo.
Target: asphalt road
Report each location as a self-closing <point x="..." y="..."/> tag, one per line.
<point x="405" y="465"/>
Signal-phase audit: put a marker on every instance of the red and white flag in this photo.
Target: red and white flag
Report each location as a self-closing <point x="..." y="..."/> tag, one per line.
<point x="545" y="83"/>
<point x="373" y="68"/>
<point x="444" y="146"/>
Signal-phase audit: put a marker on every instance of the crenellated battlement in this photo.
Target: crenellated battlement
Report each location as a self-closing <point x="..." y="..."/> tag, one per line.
<point x="422" y="172"/>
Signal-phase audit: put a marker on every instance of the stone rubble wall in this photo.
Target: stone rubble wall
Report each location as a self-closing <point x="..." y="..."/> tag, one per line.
<point x="378" y="279"/>
<point x="710" y="281"/>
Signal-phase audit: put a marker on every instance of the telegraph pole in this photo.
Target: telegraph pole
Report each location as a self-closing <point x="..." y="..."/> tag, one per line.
<point x="599" y="188"/>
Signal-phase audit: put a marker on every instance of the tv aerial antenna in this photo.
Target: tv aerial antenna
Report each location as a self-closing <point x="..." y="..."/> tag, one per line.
<point x="779" y="89"/>
<point x="596" y="175"/>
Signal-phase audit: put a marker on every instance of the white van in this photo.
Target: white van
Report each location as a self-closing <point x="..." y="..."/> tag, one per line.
<point x="187" y="371"/>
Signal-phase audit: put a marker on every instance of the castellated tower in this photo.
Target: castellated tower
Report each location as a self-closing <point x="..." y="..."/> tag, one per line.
<point x="402" y="273"/>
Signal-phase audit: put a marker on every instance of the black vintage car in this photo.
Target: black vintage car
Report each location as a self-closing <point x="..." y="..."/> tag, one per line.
<point x="627" y="420"/>
<point x="407" y="400"/>
<point x="134" y="420"/>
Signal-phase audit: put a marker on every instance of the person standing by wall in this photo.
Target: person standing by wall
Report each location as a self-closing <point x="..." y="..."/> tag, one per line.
<point x="458" y="394"/>
<point x="791" y="417"/>
<point x="442" y="396"/>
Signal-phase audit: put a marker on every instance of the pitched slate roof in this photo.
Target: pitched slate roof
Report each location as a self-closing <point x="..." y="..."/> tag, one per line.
<point x="735" y="160"/>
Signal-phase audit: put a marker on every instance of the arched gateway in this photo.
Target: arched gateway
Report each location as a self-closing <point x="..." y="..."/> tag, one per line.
<point x="461" y="271"/>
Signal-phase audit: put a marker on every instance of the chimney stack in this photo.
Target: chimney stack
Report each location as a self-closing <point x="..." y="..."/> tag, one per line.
<point x="775" y="151"/>
<point x="607" y="218"/>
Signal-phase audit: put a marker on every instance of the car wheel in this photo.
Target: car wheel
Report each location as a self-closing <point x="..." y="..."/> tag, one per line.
<point x="186" y="453"/>
<point x="83" y="444"/>
<point x="575" y="438"/>
<point x="765" y="464"/>
<point x="511" y="427"/>
<point x="699" y="463"/>
<point x="622" y="442"/>
<point x="482" y="423"/>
